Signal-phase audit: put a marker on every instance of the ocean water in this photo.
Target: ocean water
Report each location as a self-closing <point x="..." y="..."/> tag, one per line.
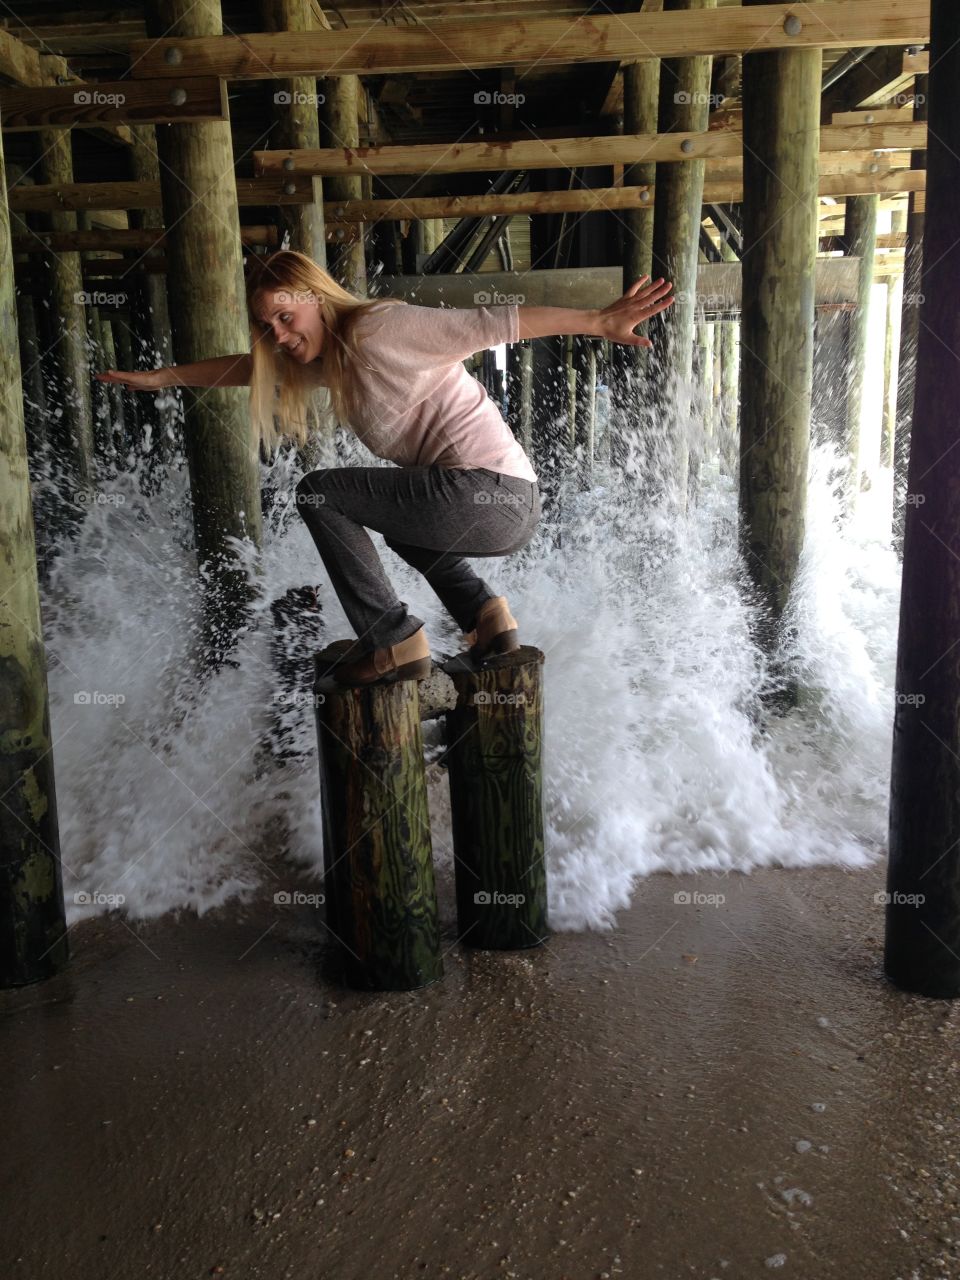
<point x="659" y="755"/>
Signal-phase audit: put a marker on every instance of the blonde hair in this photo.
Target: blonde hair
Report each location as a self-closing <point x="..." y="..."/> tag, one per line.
<point x="282" y="389"/>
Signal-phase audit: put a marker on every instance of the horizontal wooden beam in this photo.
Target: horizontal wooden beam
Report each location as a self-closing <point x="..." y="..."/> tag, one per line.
<point x="68" y="106"/>
<point x="555" y="153"/>
<point x="458" y="45"/>
<point x="111" y="239"/>
<point x="264" y="192"/>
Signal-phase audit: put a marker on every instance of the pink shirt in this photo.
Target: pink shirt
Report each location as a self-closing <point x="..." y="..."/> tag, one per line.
<point x="420" y="407"/>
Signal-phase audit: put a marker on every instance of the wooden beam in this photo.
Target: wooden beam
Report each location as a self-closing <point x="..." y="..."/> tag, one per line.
<point x="145" y="195"/>
<point x="631" y="148"/>
<point x="83" y="105"/>
<point x="382" y="50"/>
<point x="110" y="240"/>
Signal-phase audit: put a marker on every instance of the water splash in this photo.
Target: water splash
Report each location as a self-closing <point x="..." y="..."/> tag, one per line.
<point x="657" y="756"/>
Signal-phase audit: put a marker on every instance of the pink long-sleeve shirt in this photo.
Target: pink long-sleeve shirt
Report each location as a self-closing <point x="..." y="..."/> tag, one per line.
<point x="419" y="406"/>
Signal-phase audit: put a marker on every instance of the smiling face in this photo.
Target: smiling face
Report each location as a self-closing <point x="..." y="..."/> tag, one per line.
<point x="294" y="321"/>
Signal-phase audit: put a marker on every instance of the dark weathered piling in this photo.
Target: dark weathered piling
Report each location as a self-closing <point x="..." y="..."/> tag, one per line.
<point x="494" y="757"/>
<point x="208" y="316"/>
<point x="781" y="138"/>
<point x="922" y="950"/>
<point x="33" y="936"/>
<point x="379" y="886"/>
<point x="909" y="328"/>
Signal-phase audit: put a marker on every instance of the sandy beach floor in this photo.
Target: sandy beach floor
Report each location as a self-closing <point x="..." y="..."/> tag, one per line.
<point x="711" y="1090"/>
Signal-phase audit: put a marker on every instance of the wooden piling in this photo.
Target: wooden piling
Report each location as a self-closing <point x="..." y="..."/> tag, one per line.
<point x="909" y="328"/>
<point x="340" y="126"/>
<point x="33" y="935"/>
<point x="209" y="318"/>
<point x="585" y="359"/>
<point x="641" y="96"/>
<point x="64" y="328"/>
<point x="381" y="900"/>
<point x="678" y="214"/>
<point x="781" y="142"/>
<point x="296" y="112"/>
<point x="922" y="948"/>
<point x="860" y="236"/>
<point x="494" y="757"/>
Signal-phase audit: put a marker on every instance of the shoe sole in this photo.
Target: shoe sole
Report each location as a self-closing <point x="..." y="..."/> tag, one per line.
<point x="502" y="642"/>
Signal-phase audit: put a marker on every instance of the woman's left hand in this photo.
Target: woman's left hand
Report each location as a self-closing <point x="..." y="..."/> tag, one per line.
<point x="641" y="301"/>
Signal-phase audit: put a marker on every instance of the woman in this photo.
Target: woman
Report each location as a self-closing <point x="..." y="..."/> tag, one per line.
<point x="463" y="485"/>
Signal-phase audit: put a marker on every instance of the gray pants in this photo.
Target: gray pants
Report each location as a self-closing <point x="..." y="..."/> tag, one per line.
<point x="430" y="516"/>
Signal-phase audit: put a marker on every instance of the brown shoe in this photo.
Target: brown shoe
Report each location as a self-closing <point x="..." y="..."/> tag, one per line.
<point x="407" y="660"/>
<point x="495" y="630"/>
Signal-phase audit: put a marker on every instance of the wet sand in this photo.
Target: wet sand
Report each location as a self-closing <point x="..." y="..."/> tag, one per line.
<point x="720" y="1091"/>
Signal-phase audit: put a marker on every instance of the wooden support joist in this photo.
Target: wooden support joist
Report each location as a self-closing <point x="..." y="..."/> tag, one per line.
<point x="916" y="64"/>
<point x="621" y="37"/>
<point x="261" y="192"/>
<point x="82" y="105"/>
<point x="110" y="239"/>
<point x="537" y="153"/>
<point x="24" y="66"/>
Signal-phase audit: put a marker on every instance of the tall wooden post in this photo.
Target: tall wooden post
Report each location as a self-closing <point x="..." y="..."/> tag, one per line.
<point x="295" y="105"/>
<point x="33" y="935"/>
<point x="909" y="328"/>
<point x="150" y="301"/>
<point x="781" y="144"/>
<point x="66" y="328"/>
<point x="34" y="393"/>
<point x="922" y="951"/>
<point x="894" y="291"/>
<point x="208" y="315"/>
<point x="341" y="128"/>
<point x="684" y="106"/>
<point x="860" y="235"/>
<point x="641" y="95"/>
<point x="585" y="360"/>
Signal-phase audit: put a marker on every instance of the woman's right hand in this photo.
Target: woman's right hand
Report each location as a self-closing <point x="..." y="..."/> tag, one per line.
<point x="136" y="379"/>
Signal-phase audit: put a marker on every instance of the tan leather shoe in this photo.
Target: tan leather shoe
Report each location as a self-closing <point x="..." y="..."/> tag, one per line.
<point x="408" y="660"/>
<point x="495" y="630"/>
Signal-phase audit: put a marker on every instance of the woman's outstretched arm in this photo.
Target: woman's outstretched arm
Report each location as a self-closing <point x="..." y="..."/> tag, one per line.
<point x="220" y="371"/>
<point x="616" y="322"/>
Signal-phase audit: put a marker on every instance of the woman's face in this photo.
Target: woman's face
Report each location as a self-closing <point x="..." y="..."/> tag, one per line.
<point x="293" y="318"/>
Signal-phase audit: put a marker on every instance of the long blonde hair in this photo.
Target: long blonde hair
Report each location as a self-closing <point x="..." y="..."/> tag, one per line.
<point x="280" y="387"/>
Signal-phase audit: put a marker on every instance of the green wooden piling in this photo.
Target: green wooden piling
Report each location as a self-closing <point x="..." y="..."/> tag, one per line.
<point x="379" y="885"/>
<point x="494" y="757"/>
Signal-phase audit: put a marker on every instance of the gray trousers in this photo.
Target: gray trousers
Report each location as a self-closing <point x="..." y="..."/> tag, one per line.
<point x="431" y="517"/>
